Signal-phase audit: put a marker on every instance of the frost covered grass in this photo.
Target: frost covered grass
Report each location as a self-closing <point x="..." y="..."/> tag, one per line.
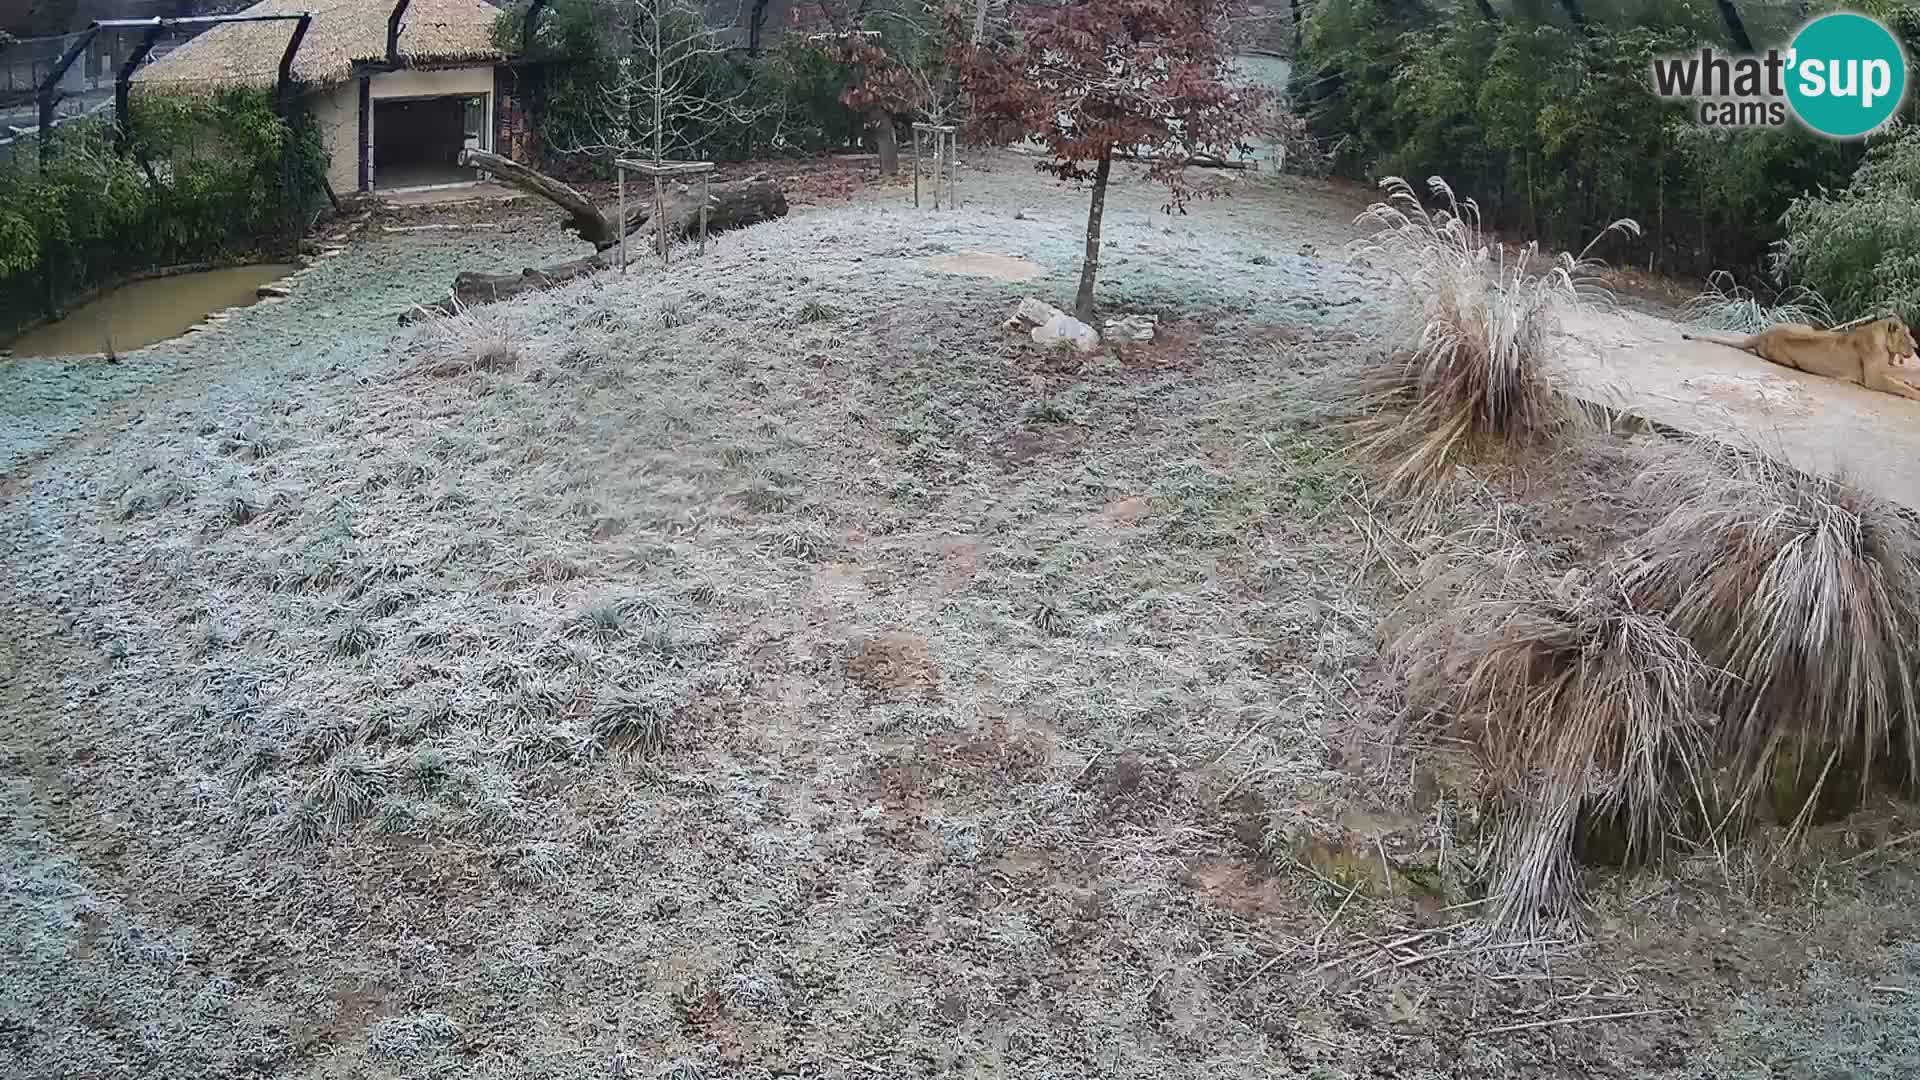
<point x="720" y="640"/>
<point x="764" y="666"/>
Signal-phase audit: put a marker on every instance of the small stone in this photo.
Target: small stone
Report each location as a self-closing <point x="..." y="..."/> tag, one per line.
<point x="1052" y="327"/>
<point x="1026" y="214"/>
<point x="1138" y="329"/>
<point x="1031" y="312"/>
<point x="1065" y="329"/>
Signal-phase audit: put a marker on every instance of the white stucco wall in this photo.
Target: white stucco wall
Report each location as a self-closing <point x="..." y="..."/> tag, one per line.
<point x="467" y="80"/>
<point x="337" y="111"/>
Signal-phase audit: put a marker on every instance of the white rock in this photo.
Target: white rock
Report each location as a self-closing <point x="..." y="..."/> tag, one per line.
<point x="1026" y="214"/>
<point x="1031" y="312"/>
<point x="1064" y="328"/>
<point x="1135" y="328"/>
<point x="1052" y="327"/>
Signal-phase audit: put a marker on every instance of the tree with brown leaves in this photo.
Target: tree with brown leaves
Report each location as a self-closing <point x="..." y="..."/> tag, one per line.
<point x="881" y="43"/>
<point x="880" y="89"/>
<point x="1095" y="79"/>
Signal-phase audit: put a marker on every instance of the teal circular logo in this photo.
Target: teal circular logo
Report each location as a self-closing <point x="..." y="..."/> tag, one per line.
<point x="1846" y="75"/>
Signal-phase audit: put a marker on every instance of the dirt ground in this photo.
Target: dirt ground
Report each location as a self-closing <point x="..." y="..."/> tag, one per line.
<point x="772" y="666"/>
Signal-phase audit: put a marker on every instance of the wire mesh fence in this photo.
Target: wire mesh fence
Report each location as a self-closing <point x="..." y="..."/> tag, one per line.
<point x="190" y="174"/>
<point x="84" y="90"/>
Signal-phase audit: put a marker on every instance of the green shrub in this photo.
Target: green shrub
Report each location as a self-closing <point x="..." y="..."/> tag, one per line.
<point x="1344" y="79"/>
<point x="1556" y="132"/>
<point x="200" y="179"/>
<point x="1860" y="247"/>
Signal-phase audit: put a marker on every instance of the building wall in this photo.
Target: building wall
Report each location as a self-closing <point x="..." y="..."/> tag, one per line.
<point x="337" y="111"/>
<point x="466" y="80"/>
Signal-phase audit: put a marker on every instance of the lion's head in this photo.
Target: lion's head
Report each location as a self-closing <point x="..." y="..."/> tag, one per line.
<point x="1896" y="337"/>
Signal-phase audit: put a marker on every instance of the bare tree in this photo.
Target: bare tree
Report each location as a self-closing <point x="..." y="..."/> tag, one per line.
<point x="666" y="91"/>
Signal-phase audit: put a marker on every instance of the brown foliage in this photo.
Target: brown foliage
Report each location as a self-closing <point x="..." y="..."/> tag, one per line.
<point x="880" y="83"/>
<point x="1095" y="77"/>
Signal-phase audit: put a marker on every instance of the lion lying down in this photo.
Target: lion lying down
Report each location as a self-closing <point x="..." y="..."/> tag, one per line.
<point x="1872" y="354"/>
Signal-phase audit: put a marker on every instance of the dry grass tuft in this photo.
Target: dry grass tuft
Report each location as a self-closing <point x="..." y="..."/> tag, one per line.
<point x="813" y="311"/>
<point x="1466" y="373"/>
<point x="1807" y="593"/>
<point x="470" y="340"/>
<point x="1728" y="307"/>
<point x="1586" y="711"/>
<point x="639" y="722"/>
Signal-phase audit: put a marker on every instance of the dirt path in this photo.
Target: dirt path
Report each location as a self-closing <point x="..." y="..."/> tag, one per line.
<point x="1638" y="361"/>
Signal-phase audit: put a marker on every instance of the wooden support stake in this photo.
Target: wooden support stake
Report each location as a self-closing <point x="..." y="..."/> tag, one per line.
<point x="945" y="148"/>
<point x="660" y="219"/>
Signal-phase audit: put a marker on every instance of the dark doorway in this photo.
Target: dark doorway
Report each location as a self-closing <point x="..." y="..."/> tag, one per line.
<point x="417" y="141"/>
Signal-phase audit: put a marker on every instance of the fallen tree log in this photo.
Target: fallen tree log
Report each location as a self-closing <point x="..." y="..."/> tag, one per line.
<point x="583" y="217"/>
<point x="733" y="205"/>
<point x="1203" y="162"/>
<point x="471" y="287"/>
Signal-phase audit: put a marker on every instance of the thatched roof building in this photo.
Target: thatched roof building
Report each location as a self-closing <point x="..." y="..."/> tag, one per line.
<point x="344" y="33"/>
<point x="386" y="122"/>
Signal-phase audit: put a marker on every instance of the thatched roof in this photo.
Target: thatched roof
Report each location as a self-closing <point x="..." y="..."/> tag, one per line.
<point x="343" y="33"/>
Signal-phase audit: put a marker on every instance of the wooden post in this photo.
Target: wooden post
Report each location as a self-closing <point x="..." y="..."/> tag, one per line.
<point x="945" y="145"/>
<point x="660" y="220"/>
<point x="665" y="230"/>
<point x="366" y="134"/>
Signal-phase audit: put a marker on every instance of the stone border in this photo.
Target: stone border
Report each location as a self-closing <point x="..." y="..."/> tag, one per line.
<point x="309" y="255"/>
